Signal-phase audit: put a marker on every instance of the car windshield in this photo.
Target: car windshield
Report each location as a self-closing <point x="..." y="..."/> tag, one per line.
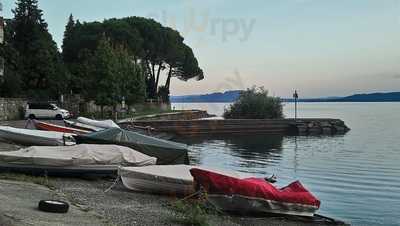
<point x="54" y="106"/>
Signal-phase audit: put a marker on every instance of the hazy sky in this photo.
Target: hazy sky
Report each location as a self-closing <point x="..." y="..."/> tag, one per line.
<point x="320" y="47"/>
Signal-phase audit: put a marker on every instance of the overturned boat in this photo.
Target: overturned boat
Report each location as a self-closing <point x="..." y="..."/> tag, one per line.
<point x="255" y="195"/>
<point x="73" y="160"/>
<point x="166" y="152"/>
<point x="105" y="124"/>
<point x="57" y="128"/>
<point x="174" y="180"/>
<point x="35" y="137"/>
<point x="81" y="126"/>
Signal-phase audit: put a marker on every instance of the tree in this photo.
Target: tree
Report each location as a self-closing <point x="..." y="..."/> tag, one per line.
<point x="40" y="65"/>
<point x="131" y="80"/>
<point x="155" y="47"/>
<point x="113" y="75"/>
<point x="255" y="103"/>
<point x="68" y="39"/>
<point x="11" y="85"/>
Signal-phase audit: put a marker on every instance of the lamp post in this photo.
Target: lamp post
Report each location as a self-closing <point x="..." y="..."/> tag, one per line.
<point x="295" y="96"/>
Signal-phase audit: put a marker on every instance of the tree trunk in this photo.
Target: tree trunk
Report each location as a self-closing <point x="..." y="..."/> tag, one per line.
<point x="152" y="70"/>
<point x="151" y="79"/>
<point x="158" y="75"/>
<point x="168" y="82"/>
<point x="115" y="113"/>
<point x="149" y="68"/>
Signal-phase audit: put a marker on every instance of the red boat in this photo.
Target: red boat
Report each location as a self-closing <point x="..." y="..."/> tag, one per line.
<point x="52" y="127"/>
<point x="255" y="195"/>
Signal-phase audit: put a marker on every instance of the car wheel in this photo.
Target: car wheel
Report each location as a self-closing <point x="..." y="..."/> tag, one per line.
<point x="53" y="206"/>
<point x="59" y="117"/>
<point x="31" y="116"/>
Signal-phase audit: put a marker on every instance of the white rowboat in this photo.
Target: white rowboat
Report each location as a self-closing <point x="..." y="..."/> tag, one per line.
<point x="102" y="124"/>
<point x="35" y="137"/>
<point x="173" y="180"/>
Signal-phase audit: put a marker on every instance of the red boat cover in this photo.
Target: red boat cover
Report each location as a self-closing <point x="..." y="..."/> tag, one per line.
<point x="215" y="183"/>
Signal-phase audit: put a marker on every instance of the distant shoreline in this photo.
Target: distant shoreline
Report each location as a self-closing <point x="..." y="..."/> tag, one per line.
<point x="232" y="96"/>
<point x="292" y="101"/>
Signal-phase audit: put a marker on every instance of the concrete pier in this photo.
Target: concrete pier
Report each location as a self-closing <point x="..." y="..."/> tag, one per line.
<point x="304" y="126"/>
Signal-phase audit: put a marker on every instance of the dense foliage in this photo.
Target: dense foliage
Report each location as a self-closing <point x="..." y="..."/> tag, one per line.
<point x="255" y="103"/>
<point x="103" y="61"/>
<point x="155" y="47"/>
<point x="33" y="63"/>
<point x="113" y="75"/>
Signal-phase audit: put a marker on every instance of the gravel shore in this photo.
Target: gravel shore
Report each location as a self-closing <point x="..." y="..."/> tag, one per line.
<point x="118" y="206"/>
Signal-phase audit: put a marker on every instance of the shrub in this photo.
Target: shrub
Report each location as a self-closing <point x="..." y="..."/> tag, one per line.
<point x="255" y="103"/>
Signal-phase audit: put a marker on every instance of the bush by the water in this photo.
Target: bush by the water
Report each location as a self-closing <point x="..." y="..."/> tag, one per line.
<point x="255" y="103"/>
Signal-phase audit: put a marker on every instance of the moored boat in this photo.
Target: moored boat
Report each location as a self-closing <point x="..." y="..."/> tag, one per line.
<point x="81" y="126"/>
<point x="105" y="124"/>
<point x="166" y="152"/>
<point x="35" y="137"/>
<point x="57" y="128"/>
<point x="73" y="160"/>
<point x="173" y="180"/>
<point x="255" y="195"/>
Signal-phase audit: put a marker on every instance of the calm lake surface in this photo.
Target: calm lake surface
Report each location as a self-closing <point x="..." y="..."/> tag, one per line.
<point x="356" y="176"/>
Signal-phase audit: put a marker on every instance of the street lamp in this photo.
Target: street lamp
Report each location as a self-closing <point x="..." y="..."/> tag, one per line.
<point x="296" y="97"/>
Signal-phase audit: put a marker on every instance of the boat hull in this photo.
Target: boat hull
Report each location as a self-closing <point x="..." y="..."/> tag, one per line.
<point x="89" y="170"/>
<point x="81" y="126"/>
<point x="30" y="139"/>
<point x="174" y="180"/>
<point x="57" y="128"/>
<point x="251" y="205"/>
<point x="251" y="196"/>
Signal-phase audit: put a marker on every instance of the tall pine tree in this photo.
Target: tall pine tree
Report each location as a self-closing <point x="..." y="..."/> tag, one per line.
<point x="67" y="45"/>
<point x="40" y="66"/>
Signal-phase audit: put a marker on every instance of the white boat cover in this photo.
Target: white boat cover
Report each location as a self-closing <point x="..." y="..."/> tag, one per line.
<point x="102" y="124"/>
<point x="81" y="126"/>
<point x="84" y="154"/>
<point x="163" y="179"/>
<point x="35" y="137"/>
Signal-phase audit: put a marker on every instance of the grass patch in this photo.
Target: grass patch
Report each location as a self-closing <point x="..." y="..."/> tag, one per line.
<point x="192" y="212"/>
<point x="27" y="178"/>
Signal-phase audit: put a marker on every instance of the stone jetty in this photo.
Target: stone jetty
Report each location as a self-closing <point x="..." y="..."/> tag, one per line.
<point x="303" y="126"/>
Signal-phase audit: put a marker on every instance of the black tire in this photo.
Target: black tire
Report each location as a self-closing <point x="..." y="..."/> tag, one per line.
<point x="53" y="206"/>
<point x="32" y="116"/>
<point x="59" y="117"/>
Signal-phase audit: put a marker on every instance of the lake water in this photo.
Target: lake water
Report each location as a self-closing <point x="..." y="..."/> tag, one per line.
<point x="356" y="176"/>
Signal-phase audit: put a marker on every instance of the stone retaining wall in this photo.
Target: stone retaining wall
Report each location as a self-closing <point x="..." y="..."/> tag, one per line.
<point x="179" y="115"/>
<point x="319" y="127"/>
<point x="11" y="108"/>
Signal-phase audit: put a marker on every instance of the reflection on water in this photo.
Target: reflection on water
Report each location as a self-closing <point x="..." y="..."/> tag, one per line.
<point x="356" y="176"/>
<point x="252" y="153"/>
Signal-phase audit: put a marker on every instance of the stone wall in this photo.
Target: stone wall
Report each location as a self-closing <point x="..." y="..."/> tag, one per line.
<point x="12" y="108"/>
<point x="79" y="107"/>
<point x="180" y="115"/>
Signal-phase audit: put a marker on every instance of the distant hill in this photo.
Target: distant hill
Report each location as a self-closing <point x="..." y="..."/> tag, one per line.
<point x="372" y="97"/>
<point x="228" y="96"/>
<point x="231" y="96"/>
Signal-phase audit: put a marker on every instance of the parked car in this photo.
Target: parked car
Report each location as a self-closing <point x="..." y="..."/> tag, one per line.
<point x="45" y="110"/>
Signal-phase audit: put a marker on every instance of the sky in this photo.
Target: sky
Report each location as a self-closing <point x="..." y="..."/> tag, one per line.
<point x="318" y="47"/>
